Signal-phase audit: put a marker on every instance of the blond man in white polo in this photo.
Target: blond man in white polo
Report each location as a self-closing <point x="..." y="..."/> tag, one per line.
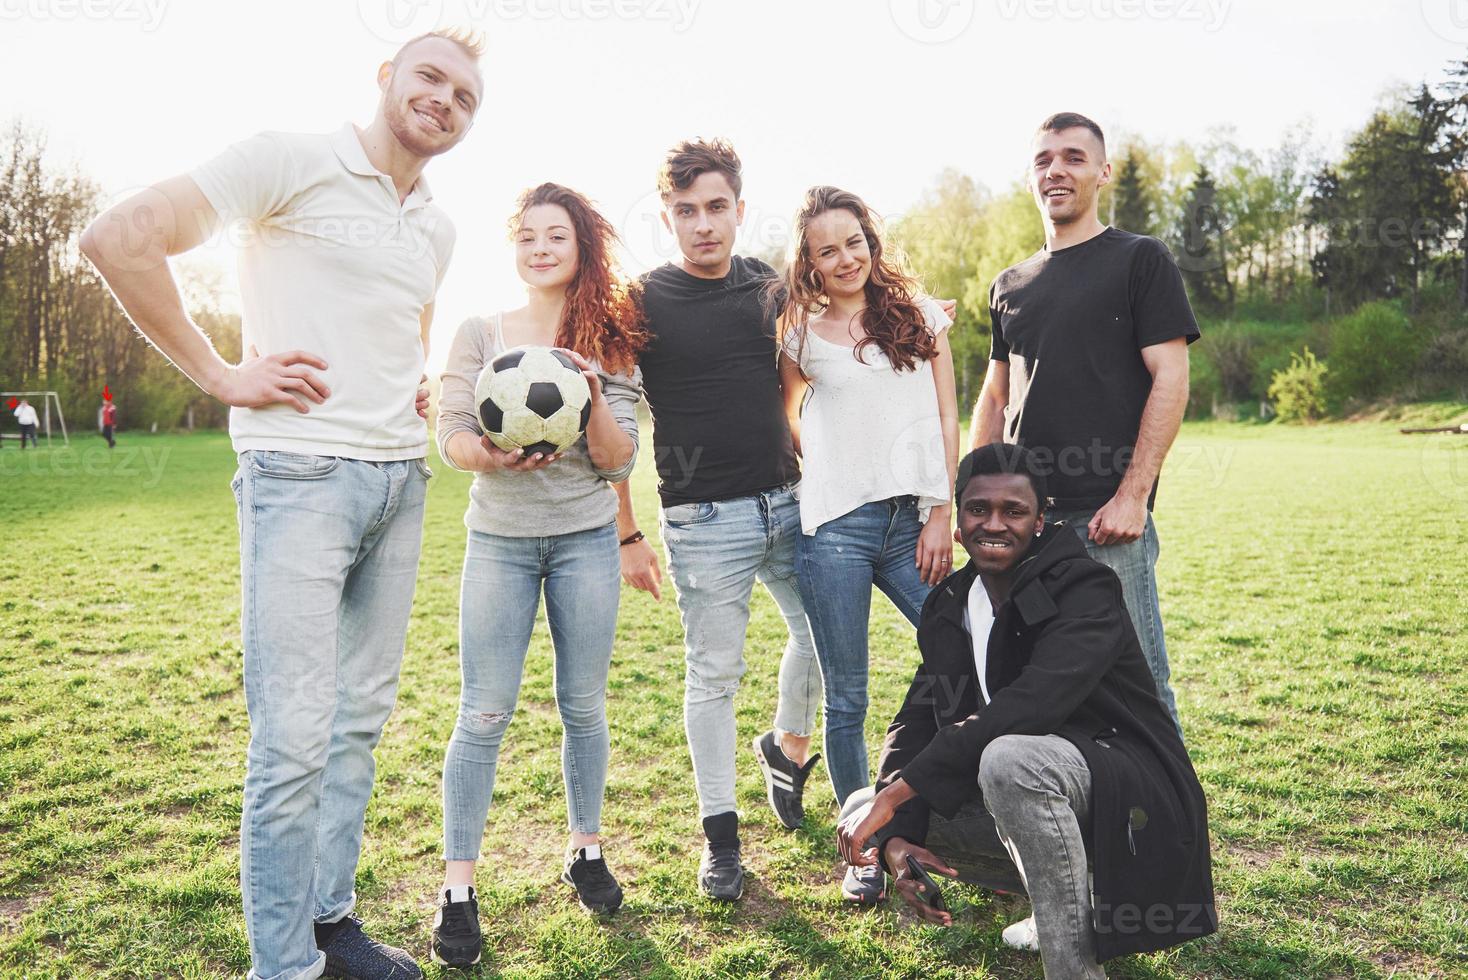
<point x="341" y="252"/>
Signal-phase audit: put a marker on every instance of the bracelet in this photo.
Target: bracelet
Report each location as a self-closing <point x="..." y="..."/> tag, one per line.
<point x="632" y="538"/>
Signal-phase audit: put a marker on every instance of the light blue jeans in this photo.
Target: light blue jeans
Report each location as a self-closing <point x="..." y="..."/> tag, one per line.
<point x="876" y="544"/>
<point x="581" y="573"/>
<point x="1135" y="563"/>
<point x="328" y="561"/>
<point x="716" y="552"/>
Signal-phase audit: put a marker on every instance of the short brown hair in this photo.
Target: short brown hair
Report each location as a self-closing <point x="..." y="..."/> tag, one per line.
<point x="469" y="42"/>
<point x="1070" y="120"/>
<point x="692" y="158"/>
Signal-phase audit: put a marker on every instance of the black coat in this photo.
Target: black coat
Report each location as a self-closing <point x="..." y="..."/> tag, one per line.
<point x="1063" y="659"/>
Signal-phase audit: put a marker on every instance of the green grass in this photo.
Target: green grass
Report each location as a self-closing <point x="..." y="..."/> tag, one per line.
<point x="1312" y="584"/>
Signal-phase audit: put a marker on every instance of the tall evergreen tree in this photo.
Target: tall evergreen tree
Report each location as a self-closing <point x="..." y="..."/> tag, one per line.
<point x="1133" y="207"/>
<point x="1204" y="256"/>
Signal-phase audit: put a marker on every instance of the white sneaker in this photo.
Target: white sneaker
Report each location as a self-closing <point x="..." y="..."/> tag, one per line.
<point x="1022" y="935"/>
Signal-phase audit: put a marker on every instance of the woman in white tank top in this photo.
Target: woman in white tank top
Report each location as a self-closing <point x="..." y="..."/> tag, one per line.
<point x="868" y="382"/>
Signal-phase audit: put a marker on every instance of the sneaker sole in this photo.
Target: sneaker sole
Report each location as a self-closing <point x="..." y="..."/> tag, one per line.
<point x="594" y="910"/>
<point x="722" y="898"/>
<point x="865" y="901"/>
<point x="764" y="768"/>
<point x="459" y="964"/>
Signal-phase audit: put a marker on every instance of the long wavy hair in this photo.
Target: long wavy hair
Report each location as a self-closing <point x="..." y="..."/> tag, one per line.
<point x="892" y="320"/>
<point x="604" y="319"/>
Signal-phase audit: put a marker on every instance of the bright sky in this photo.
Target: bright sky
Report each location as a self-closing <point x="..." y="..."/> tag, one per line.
<point x="876" y="96"/>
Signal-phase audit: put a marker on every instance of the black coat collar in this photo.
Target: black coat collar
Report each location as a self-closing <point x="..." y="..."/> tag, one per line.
<point x="1055" y="544"/>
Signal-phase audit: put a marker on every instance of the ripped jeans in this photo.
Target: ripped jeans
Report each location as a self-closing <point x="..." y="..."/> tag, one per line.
<point x="582" y="578"/>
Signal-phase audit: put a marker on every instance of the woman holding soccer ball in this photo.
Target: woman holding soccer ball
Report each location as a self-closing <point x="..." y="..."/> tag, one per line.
<point x="878" y="439"/>
<point x="540" y="522"/>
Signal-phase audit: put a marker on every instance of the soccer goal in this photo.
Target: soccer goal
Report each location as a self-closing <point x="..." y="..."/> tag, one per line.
<point x="49" y="406"/>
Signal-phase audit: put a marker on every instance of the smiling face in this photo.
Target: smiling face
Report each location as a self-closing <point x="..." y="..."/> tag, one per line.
<point x="705" y="218"/>
<point x="998" y="518"/>
<point x="545" y="247"/>
<point x="1067" y="171"/>
<point x="838" y="252"/>
<point x="430" y="95"/>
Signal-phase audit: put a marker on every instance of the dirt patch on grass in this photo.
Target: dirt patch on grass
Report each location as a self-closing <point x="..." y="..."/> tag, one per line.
<point x="13" y="910"/>
<point x="1398" y="964"/>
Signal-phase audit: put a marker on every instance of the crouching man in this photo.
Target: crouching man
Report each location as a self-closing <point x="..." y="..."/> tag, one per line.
<point x="1032" y="746"/>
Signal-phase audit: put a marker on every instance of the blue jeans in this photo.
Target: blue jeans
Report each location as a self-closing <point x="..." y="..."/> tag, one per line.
<point x="876" y="544"/>
<point x="1135" y="563"/>
<point x="716" y="551"/>
<point x="582" y="577"/>
<point x="328" y="561"/>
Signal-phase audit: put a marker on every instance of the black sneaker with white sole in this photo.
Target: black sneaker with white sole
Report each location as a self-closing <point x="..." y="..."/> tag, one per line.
<point x="720" y="872"/>
<point x="456" y="937"/>
<point x="596" y="888"/>
<point x="784" y="780"/>
<point x="350" y="952"/>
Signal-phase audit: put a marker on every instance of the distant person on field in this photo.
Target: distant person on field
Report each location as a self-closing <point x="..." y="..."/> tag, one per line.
<point x="344" y="255"/>
<point x="109" y="420"/>
<point x="1089" y="368"/>
<point x="25" y="417"/>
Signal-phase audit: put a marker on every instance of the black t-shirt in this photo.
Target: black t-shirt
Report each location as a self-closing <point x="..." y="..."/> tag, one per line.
<point x="1071" y="324"/>
<point x="712" y="382"/>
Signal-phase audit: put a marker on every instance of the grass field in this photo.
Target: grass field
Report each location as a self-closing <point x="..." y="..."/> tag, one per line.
<point x="1313" y="584"/>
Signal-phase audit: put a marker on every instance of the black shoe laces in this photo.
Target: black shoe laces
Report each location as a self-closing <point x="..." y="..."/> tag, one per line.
<point x="458" y="918"/>
<point x="595" y="877"/>
<point x="723" y="856"/>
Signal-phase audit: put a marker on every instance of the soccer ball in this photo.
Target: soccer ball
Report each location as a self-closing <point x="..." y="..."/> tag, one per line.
<point x="533" y="398"/>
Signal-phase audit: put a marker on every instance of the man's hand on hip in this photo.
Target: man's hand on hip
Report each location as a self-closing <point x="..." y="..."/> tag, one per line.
<point x="1122" y="519"/>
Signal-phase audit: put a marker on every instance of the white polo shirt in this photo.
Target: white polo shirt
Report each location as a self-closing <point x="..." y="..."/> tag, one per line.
<point x="332" y="264"/>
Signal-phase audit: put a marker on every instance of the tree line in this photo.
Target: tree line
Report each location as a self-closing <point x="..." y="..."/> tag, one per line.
<point x="1361" y="259"/>
<point x="1275" y="246"/>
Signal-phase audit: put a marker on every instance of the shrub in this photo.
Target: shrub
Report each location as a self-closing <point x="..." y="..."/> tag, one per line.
<point x="1298" y="392"/>
<point x="1372" y="352"/>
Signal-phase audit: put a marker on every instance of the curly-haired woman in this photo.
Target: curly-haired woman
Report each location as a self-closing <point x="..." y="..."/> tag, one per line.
<point x="540" y="522"/>
<point x="867" y="355"/>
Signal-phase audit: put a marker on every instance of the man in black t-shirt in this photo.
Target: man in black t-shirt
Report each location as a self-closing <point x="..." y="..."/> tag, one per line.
<point x="726" y="477"/>
<point x="1089" y="368"/>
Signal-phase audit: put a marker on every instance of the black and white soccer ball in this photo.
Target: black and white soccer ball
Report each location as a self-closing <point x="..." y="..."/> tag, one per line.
<point x="533" y="398"/>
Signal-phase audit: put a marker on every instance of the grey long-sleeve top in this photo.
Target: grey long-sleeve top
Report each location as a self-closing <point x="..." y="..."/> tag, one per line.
<point x="569" y="495"/>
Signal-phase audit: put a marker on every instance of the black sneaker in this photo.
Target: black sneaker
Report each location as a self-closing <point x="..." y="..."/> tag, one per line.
<point x="350" y="952"/>
<point x="784" y="780"/>
<point x="720" y="875"/>
<point x="456" y="937"/>
<point x="596" y="888"/>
